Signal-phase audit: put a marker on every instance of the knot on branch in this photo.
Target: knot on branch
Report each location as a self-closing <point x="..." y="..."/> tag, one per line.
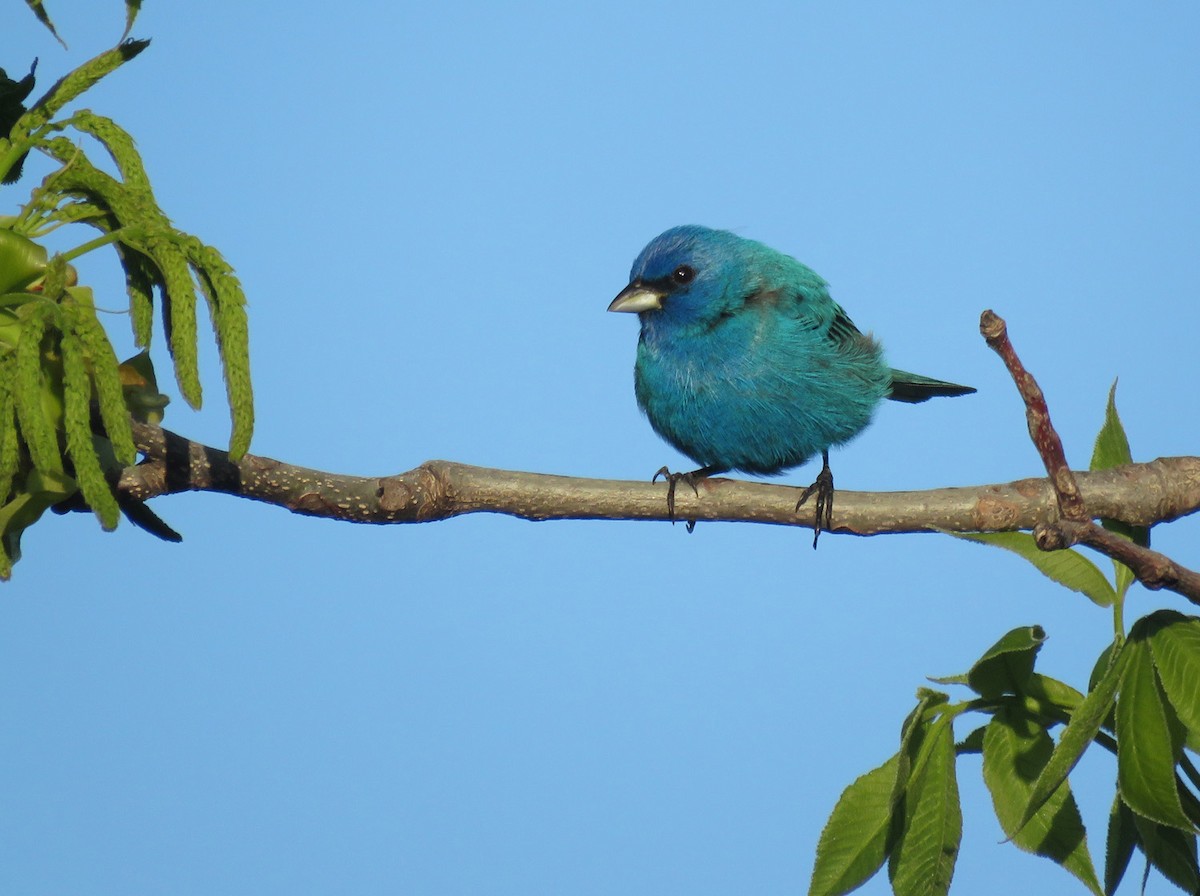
<point x="1051" y="537"/>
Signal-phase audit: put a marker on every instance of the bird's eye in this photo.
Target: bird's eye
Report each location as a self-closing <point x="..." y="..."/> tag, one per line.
<point x="683" y="275"/>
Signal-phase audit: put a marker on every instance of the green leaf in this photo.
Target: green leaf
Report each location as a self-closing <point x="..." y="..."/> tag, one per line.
<point x="972" y="743"/>
<point x="1015" y="750"/>
<point x="1175" y="646"/>
<point x="853" y="845"/>
<point x="912" y="734"/>
<point x="1077" y="736"/>
<point x="921" y="862"/>
<point x="29" y="501"/>
<point x="39" y="10"/>
<point x="1112" y="445"/>
<point x="1006" y="666"/>
<point x="1171" y="851"/>
<point x="1068" y="568"/>
<point x="1112" y="450"/>
<point x="131" y="10"/>
<point x="22" y="261"/>
<point x="1122" y="838"/>
<point x="1103" y="663"/>
<point x="1147" y="747"/>
<point x="1053" y="692"/>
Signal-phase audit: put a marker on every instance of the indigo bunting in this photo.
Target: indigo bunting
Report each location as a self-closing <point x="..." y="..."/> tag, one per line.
<point x="745" y="362"/>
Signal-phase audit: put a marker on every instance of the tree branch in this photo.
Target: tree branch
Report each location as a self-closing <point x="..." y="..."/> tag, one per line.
<point x="1152" y="569"/>
<point x="1139" y="494"/>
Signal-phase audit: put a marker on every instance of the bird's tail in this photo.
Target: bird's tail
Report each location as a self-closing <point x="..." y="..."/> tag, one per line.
<point x="912" y="387"/>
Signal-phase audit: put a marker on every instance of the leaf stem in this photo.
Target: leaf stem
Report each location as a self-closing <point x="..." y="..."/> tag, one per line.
<point x="112" y="236"/>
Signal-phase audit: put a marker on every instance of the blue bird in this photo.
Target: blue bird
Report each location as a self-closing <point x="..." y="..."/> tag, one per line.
<point x="745" y="362"/>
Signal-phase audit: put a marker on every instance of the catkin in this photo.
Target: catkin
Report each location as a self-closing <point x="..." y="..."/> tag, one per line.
<point x="106" y="379"/>
<point x="77" y="421"/>
<point x="28" y="380"/>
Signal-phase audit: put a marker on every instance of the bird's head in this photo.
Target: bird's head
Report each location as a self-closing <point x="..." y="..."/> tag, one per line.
<point x="688" y="275"/>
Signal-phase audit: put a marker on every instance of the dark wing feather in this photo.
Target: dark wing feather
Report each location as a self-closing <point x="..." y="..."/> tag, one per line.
<point x="842" y="329"/>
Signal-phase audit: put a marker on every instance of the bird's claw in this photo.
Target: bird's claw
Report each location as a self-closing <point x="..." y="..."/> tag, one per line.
<point x="672" y="480"/>
<point x="823" y="489"/>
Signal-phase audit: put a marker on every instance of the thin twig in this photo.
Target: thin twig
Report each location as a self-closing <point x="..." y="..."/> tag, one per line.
<point x="1041" y="430"/>
<point x="1152" y="569"/>
<point x="1075" y="524"/>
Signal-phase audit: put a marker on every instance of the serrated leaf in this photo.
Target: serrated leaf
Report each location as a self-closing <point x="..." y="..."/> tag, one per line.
<point x="36" y="7"/>
<point x="1112" y="445"/>
<point x="1112" y="450"/>
<point x="1119" y="844"/>
<point x="1006" y="666"/>
<point x="949" y="679"/>
<point x="1171" y="851"/>
<point x="1103" y="663"/>
<point x="853" y="845"/>
<point x="972" y="743"/>
<point x="1175" y="646"/>
<point x="1147" y="748"/>
<point x="912" y="735"/>
<point x="1067" y="567"/>
<point x="1015" y="750"/>
<point x="1054" y="692"/>
<point x="921" y="862"/>
<point x="1077" y="735"/>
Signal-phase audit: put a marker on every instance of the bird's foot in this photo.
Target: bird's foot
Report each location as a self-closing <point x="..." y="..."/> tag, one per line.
<point x="823" y="489"/>
<point x="691" y="479"/>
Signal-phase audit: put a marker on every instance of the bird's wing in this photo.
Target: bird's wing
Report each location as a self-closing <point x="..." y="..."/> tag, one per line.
<point x="814" y="310"/>
<point x="822" y="315"/>
<point x="842" y="329"/>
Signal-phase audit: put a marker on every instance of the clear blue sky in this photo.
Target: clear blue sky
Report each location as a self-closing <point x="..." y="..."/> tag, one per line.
<point x="430" y="206"/>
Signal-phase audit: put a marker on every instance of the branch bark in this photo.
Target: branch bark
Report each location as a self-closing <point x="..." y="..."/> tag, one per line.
<point x="1139" y="494"/>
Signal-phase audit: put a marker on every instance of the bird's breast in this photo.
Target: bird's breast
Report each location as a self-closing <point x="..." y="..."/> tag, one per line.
<point x="757" y="398"/>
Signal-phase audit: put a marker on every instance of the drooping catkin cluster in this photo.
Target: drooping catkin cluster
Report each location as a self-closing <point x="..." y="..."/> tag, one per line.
<point x="155" y="255"/>
<point x="64" y="422"/>
<point x="64" y="413"/>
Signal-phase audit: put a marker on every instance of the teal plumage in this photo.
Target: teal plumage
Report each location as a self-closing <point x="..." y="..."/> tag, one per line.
<point x="746" y="363"/>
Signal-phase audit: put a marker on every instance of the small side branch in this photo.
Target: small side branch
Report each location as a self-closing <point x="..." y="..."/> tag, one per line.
<point x="1152" y="569"/>
<point x="1041" y="430"/>
<point x="1074" y="524"/>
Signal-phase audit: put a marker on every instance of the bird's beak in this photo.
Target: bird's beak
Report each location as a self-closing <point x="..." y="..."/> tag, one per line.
<point x="637" y="297"/>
